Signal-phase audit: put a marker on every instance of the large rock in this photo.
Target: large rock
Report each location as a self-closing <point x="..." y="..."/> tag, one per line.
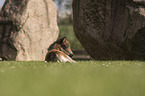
<point x="111" y="29"/>
<point x="27" y="28"/>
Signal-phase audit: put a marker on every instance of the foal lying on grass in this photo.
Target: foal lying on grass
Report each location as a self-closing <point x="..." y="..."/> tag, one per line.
<point x="59" y="51"/>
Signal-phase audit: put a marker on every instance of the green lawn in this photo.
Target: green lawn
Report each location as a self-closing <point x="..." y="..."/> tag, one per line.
<point x="84" y="78"/>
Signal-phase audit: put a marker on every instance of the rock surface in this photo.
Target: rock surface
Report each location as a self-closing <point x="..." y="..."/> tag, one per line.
<point x="27" y="29"/>
<point x="111" y="29"/>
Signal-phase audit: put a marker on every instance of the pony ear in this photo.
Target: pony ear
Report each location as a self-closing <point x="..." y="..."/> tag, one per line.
<point x="61" y="40"/>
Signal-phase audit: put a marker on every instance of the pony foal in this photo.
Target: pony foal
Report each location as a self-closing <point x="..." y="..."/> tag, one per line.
<point x="59" y="51"/>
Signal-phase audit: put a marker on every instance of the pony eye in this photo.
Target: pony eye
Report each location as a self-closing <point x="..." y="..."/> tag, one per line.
<point x="64" y="47"/>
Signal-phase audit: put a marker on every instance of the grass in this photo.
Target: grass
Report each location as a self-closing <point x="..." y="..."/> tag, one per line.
<point x="84" y="78"/>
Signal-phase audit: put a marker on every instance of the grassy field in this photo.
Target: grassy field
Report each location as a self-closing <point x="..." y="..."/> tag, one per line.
<point x="84" y="78"/>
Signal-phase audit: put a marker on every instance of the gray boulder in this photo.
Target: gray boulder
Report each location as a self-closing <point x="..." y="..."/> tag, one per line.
<point x="111" y="29"/>
<point x="27" y="28"/>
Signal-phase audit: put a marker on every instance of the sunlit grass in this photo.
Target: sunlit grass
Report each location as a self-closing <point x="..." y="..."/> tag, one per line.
<point x="84" y="78"/>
